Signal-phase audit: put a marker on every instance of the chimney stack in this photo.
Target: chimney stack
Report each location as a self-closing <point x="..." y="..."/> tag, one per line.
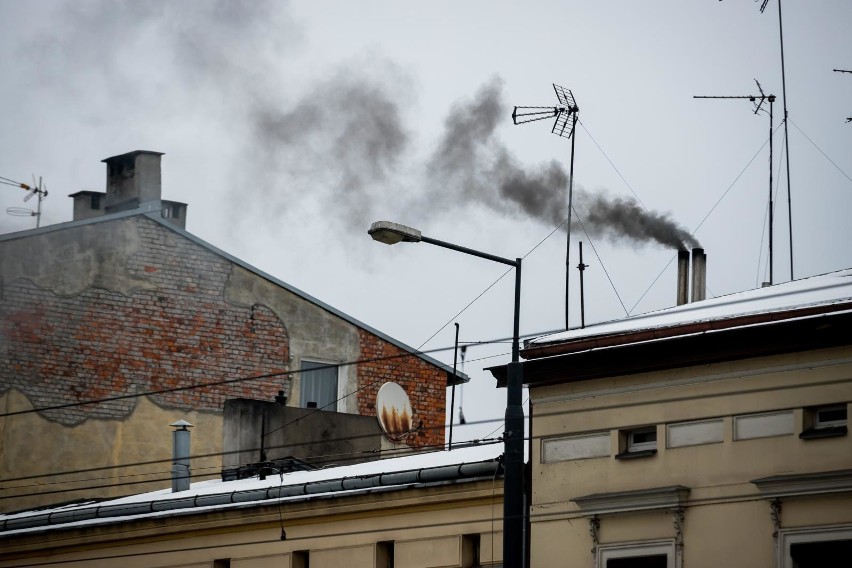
<point x="132" y="179"/>
<point x="682" y="277"/>
<point x="699" y="274"/>
<point x="180" y="456"/>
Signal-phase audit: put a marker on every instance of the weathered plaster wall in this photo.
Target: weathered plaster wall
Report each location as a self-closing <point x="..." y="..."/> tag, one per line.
<point x="44" y="461"/>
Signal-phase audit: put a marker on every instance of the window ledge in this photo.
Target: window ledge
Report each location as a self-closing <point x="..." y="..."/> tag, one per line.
<point x="635" y="454"/>
<point x="816" y="433"/>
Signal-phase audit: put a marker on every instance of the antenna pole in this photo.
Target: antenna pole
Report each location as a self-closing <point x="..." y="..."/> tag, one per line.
<point x="453" y="390"/>
<point x="570" y="214"/>
<point x="786" y="137"/>
<point x="758" y="100"/>
<point x="566" y="110"/>
<point x="38" y="207"/>
<point x="582" y="267"/>
<point x="771" y="101"/>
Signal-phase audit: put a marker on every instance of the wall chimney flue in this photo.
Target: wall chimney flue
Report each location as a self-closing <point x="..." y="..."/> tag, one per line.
<point x="699" y="274"/>
<point x="180" y="456"/>
<point x="682" y="277"/>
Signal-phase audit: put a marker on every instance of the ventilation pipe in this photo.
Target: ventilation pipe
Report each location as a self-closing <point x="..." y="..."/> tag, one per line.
<point x="682" y="277"/>
<point x="180" y="455"/>
<point x="699" y="274"/>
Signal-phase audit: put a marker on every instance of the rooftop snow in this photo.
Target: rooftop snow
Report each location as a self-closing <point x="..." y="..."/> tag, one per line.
<point x="407" y="463"/>
<point x="826" y="289"/>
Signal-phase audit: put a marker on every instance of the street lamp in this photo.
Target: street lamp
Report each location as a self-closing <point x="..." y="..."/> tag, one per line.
<point x="513" y="438"/>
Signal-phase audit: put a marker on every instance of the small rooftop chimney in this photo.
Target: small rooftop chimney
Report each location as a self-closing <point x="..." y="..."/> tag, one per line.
<point x="132" y="178"/>
<point x="180" y="456"/>
<point x="682" y="277"/>
<point x="699" y="274"/>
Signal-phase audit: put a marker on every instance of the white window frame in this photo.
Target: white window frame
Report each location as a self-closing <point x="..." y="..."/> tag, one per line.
<point x="606" y="552"/>
<point x="788" y="537"/>
<point x="823" y="424"/>
<point x="633" y="446"/>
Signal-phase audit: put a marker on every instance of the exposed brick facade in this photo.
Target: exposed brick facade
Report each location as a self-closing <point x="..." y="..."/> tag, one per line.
<point x="425" y="384"/>
<point x="101" y="344"/>
<point x="173" y="328"/>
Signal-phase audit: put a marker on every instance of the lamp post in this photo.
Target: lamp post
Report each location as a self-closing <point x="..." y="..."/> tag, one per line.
<point x="513" y="438"/>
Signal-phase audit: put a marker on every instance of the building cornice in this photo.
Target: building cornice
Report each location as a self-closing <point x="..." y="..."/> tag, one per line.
<point x="659" y="498"/>
<point x="805" y="484"/>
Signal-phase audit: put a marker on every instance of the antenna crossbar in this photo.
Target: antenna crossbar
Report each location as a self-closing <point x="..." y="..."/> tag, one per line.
<point x="532" y="113"/>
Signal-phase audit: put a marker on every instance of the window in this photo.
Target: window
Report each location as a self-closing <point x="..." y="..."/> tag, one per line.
<point x="638" y="442"/>
<point x="815" y="547"/>
<point x="384" y="554"/>
<point x="318" y="386"/>
<point x="830" y="416"/>
<point x="824" y="422"/>
<point x="96" y="201"/>
<point x="301" y="559"/>
<point x="651" y="555"/>
<point x="470" y="550"/>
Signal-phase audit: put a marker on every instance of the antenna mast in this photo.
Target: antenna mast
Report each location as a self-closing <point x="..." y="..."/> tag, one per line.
<point x="758" y="101"/>
<point x="786" y="133"/>
<point x="39" y="190"/>
<point x="565" y="111"/>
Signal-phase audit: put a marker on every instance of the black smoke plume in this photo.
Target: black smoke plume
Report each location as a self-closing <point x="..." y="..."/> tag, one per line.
<point x="472" y="165"/>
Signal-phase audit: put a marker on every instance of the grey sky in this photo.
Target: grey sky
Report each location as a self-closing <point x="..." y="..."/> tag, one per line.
<point x="289" y="127"/>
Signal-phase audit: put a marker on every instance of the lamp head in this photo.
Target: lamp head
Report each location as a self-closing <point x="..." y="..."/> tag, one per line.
<point x="392" y="233"/>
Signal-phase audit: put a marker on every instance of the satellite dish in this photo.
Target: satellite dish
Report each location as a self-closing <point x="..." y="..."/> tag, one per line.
<point x="393" y="410"/>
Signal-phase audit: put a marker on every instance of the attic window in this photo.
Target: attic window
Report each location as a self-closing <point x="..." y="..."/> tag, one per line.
<point x="825" y="422"/>
<point x="96" y="201"/>
<point x="638" y="442"/>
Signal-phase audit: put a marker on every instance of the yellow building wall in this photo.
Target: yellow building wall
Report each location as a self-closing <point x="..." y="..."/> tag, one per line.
<point x="727" y="519"/>
<point x="32" y="446"/>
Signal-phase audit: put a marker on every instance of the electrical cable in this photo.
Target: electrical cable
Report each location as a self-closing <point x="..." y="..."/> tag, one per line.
<point x="561" y="413"/>
<point x="612" y="164"/>
<point x="752" y="497"/>
<point x="833" y="163"/>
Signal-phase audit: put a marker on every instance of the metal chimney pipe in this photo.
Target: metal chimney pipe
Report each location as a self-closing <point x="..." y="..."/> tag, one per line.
<point x="682" y="277"/>
<point x="180" y="456"/>
<point x="699" y="274"/>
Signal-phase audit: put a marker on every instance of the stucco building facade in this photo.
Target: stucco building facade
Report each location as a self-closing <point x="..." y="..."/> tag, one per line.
<point x="709" y="434"/>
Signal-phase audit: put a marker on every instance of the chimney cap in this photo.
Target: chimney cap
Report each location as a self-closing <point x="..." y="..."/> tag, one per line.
<point x="182" y="424"/>
<point x="132" y="154"/>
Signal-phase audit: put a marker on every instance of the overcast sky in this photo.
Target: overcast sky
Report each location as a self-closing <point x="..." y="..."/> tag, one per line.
<point x="288" y="127"/>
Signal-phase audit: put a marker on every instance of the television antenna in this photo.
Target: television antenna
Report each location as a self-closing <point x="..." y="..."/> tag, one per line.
<point x="758" y="101"/>
<point x="564" y="112"/>
<point x="35" y="190"/>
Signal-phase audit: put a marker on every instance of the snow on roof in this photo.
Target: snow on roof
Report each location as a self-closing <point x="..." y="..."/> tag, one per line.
<point x="822" y="290"/>
<point x="89" y="512"/>
<point x="405" y="463"/>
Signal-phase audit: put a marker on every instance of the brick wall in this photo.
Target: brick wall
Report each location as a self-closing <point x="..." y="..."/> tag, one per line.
<point x="425" y="384"/>
<point x="101" y="343"/>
